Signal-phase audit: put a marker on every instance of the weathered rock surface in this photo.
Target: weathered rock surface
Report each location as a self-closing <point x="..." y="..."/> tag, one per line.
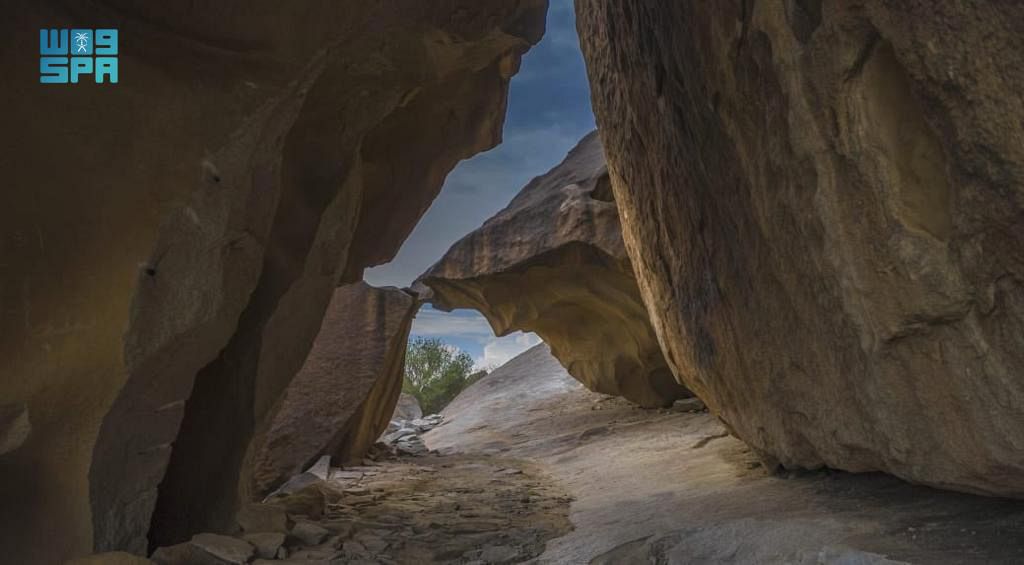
<point x="343" y="397"/>
<point x="170" y="243"/>
<point x="263" y="518"/>
<point x="225" y="548"/>
<point x="185" y="553"/>
<point x="310" y="533"/>
<point x="267" y="544"/>
<point x="824" y="205"/>
<point x="553" y="262"/>
<point x="663" y="486"/>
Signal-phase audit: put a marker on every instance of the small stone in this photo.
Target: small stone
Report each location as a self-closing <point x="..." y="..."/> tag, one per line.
<point x="316" y="555"/>
<point x="260" y="518"/>
<point x="309" y="533"/>
<point x="689" y="405"/>
<point x="266" y="543"/>
<point x="183" y="554"/>
<point x="354" y="549"/>
<point x="226" y="548"/>
<point x="499" y="554"/>
<point x="399" y="435"/>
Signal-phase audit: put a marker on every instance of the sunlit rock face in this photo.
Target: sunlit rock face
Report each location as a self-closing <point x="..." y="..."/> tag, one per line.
<point x="824" y="206"/>
<point x="346" y="391"/>
<point x="171" y="242"/>
<point x="553" y="262"/>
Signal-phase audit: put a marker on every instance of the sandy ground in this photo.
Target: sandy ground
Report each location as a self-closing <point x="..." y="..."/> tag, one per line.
<point x="670" y="486"/>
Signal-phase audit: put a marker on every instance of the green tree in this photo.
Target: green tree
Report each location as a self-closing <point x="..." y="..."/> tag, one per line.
<point x="436" y="372"/>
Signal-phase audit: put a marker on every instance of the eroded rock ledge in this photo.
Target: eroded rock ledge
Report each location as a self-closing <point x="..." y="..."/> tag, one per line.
<point x="553" y="262"/>
<point x="170" y="243"/>
<point x="824" y="205"/>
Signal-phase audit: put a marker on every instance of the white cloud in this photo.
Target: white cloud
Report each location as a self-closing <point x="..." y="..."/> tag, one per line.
<point x="469" y="330"/>
<point x="501" y="350"/>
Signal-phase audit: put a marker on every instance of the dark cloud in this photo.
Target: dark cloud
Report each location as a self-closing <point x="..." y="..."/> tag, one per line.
<point x="549" y="111"/>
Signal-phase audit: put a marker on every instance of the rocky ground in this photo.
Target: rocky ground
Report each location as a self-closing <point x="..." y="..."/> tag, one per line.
<point x="671" y="486"/>
<point x="409" y="506"/>
<point x="528" y="466"/>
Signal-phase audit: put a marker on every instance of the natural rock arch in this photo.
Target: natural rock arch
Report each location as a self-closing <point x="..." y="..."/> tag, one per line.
<point x="553" y="262"/>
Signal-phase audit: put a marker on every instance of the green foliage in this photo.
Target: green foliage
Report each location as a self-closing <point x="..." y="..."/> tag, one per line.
<point x="436" y="372"/>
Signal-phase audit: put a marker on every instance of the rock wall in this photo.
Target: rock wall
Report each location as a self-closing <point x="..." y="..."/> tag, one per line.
<point x="342" y="398"/>
<point x="170" y="242"/>
<point x="824" y="206"/>
<point x="553" y="262"/>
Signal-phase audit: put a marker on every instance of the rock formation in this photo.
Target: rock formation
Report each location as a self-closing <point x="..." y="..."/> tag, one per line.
<point x="171" y="242"/>
<point x="553" y="262"/>
<point x="824" y="205"/>
<point x="343" y="396"/>
<point x="671" y="486"/>
<point x="408" y="408"/>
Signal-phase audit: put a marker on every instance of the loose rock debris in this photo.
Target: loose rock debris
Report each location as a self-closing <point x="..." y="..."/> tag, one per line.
<point x="465" y="509"/>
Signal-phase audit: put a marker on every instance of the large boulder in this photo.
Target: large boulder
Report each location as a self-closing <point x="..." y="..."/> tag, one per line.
<point x="553" y="262"/>
<point x="343" y="396"/>
<point x="824" y="204"/>
<point x="169" y="243"/>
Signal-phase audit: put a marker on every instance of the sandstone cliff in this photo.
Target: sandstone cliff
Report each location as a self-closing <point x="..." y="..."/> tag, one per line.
<point x="824" y="205"/>
<point x="343" y="397"/>
<point x="553" y="262"/>
<point x="170" y="242"/>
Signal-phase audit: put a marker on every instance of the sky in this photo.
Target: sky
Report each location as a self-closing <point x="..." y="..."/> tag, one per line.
<point x="548" y="112"/>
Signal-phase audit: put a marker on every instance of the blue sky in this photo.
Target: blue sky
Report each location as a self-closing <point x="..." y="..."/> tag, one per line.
<point x="548" y="112"/>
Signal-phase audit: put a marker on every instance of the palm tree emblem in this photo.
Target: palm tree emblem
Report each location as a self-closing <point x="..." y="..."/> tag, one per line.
<point x="82" y="41"/>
